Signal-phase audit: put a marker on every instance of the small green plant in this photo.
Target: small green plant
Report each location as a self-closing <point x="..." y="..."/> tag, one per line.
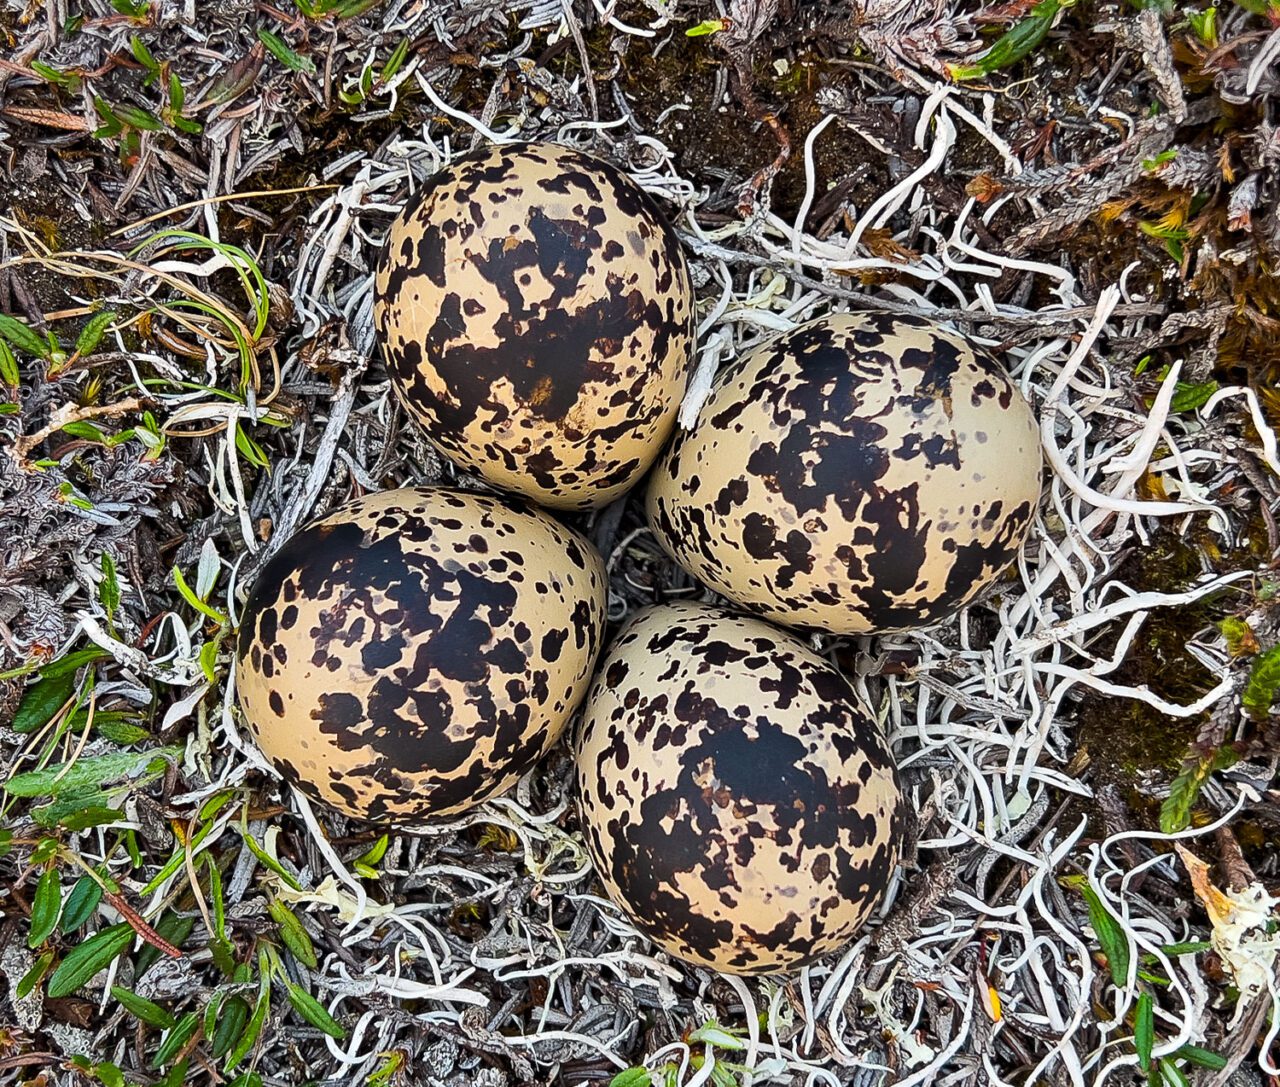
<point x="1017" y="43"/>
<point x="367" y="84"/>
<point x="710" y="1035"/>
<point x="1166" y="1071"/>
<point x="139" y="10"/>
<point x="279" y="49"/>
<point x="340" y="9"/>
<point x="706" y="28"/>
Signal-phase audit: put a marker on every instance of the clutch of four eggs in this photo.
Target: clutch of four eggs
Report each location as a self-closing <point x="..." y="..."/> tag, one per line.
<point x="415" y="651"/>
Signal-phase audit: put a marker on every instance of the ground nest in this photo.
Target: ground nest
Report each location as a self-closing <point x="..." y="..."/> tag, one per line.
<point x="191" y="203"/>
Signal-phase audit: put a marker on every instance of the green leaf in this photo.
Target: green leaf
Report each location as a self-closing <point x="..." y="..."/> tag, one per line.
<point x="375" y="852"/>
<point x="84" y="430"/>
<point x="704" y="28"/>
<point x="93" y="771"/>
<point x="1175" y="812"/>
<point x="176" y="1076"/>
<point x="53" y="75"/>
<point x="177" y="1037"/>
<point x="142" y="54"/>
<point x="1192" y="947"/>
<point x="1144" y="1031"/>
<point x="92" y="333"/>
<point x="143" y="1009"/>
<point x="109" y="1075"/>
<point x="295" y="937"/>
<point x="9" y="366"/>
<point x="1172" y="1074"/>
<point x="396" y="61"/>
<point x="46" y="849"/>
<point x="286" y="56"/>
<point x="177" y="94"/>
<point x="86" y="959"/>
<point x="1193" y="1054"/>
<point x="313" y="1011"/>
<point x="42" y="700"/>
<point x="189" y="595"/>
<point x="1189" y="397"/>
<point x="139" y="118"/>
<point x="72" y="662"/>
<point x="1111" y="937"/>
<point x="33" y="977"/>
<point x="246" y="1079"/>
<point x="209" y="661"/>
<point x="46" y="904"/>
<point x="78" y="811"/>
<point x="632" y="1077"/>
<point x="1015" y="44"/>
<point x="712" y="1033"/>
<point x="1264" y="679"/>
<point x="249" y="449"/>
<point x="81" y="903"/>
<point x="22" y="337"/>
<point x="231" y="1020"/>
<point x="264" y="857"/>
<point x="251" y="1032"/>
<point x="117" y="726"/>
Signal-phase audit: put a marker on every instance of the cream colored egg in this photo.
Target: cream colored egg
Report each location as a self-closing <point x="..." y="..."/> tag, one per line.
<point x="863" y="472"/>
<point x="415" y="651"/>
<point x="738" y="804"/>
<point x="536" y="315"/>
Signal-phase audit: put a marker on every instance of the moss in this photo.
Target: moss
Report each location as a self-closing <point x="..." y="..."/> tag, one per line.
<point x="1127" y="740"/>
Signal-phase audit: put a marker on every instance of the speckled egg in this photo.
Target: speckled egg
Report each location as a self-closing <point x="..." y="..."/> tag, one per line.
<point x="415" y="651"/>
<point x="863" y="472"/>
<point x="738" y="805"/>
<point x="536" y="315"/>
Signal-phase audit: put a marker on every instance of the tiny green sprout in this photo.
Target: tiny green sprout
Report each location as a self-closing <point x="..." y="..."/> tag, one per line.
<point x="706" y="27"/>
<point x="1154" y="163"/>
<point x="712" y="1033"/>
<point x="279" y="49"/>
<point x="134" y="9"/>
<point x="391" y="1064"/>
<point x="1205" y="25"/>
<point x="109" y="588"/>
<point x="1172" y="236"/>
<point x="67" y="493"/>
